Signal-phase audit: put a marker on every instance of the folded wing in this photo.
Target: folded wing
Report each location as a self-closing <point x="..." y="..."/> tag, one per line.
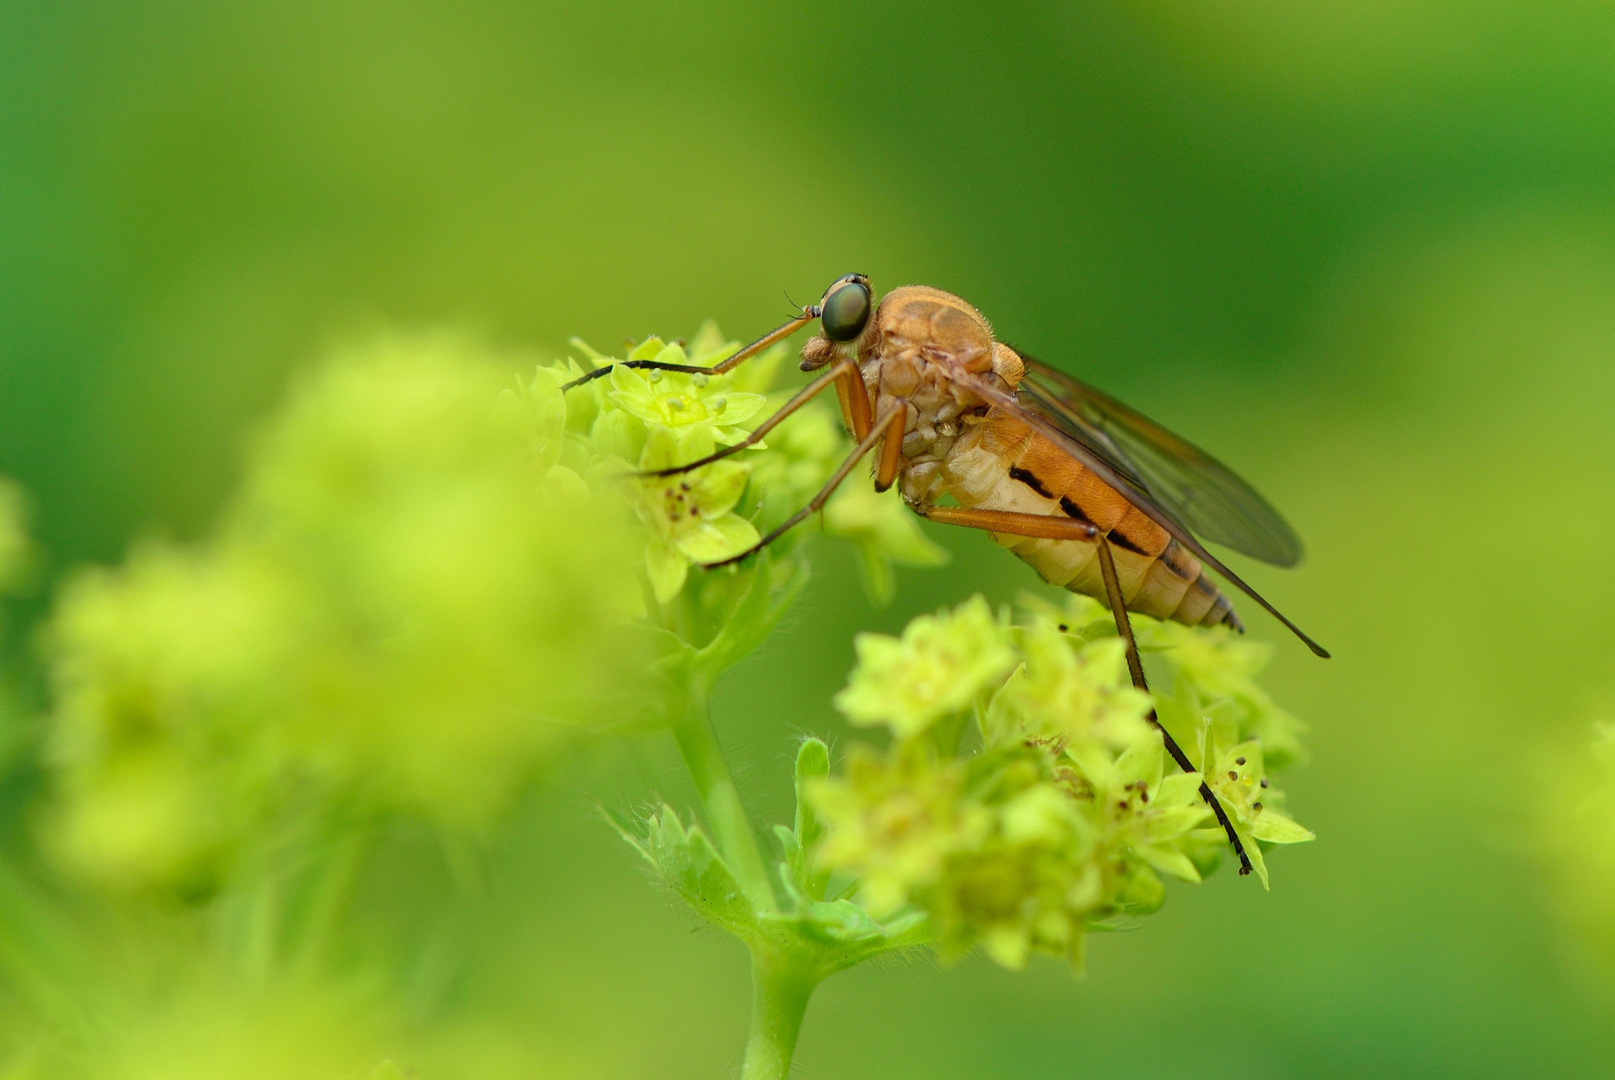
<point x="1201" y="493"/>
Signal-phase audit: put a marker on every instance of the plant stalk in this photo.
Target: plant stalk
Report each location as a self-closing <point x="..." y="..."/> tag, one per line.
<point x="721" y="799"/>
<point x="780" y="992"/>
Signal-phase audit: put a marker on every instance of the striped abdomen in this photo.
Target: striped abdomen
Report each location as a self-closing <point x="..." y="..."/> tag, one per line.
<point x="1003" y="465"/>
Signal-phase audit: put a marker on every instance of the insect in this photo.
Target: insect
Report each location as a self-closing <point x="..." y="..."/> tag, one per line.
<point x="1096" y="497"/>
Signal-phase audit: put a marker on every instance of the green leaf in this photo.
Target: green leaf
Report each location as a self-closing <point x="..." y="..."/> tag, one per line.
<point x="1276" y="828"/>
<point x="812" y="765"/>
<point x="687" y="862"/>
<point x="714" y="540"/>
<point x="666" y="568"/>
<point x="1179" y="789"/>
<point x="1169" y="860"/>
<point x="648" y="349"/>
<point x="718" y="487"/>
<point x="1140" y="763"/>
<point x="753" y="618"/>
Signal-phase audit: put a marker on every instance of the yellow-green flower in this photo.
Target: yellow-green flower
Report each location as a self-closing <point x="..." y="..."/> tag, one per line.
<point x="1074" y="694"/>
<point x="681" y="401"/>
<point x="941" y="665"/>
<point x="1237" y="775"/>
<point x="1146" y="812"/>
<point x="1066" y="814"/>
<point x="1221" y="667"/>
<point x="690" y="515"/>
<point x="1031" y="886"/>
<point x="896" y="821"/>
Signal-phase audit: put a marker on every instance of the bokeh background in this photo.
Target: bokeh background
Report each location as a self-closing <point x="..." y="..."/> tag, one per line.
<point x="1364" y="250"/>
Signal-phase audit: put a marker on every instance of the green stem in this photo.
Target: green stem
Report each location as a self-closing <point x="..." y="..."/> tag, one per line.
<point x="780" y="992"/>
<point x="725" y="812"/>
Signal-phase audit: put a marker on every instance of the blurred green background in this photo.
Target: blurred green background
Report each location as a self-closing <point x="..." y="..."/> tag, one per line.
<point x="1364" y="250"/>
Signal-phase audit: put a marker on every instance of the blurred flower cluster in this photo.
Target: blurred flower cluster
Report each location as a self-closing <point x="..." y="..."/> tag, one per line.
<point x="428" y="576"/>
<point x="405" y="604"/>
<point x="1025" y="798"/>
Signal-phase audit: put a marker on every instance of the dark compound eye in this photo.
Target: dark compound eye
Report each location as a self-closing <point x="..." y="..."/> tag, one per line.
<point x="846" y="310"/>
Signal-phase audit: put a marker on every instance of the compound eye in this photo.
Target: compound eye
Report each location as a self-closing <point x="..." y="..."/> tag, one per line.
<point x="846" y="310"/>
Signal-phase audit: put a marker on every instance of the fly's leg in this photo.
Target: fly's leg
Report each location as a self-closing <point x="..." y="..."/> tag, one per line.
<point x="1014" y="524"/>
<point x="837" y="374"/>
<point x="856" y="407"/>
<point x="891" y="446"/>
<point x="866" y="444"/>
<point x="779" y="333"/>
<point x="1057" y="528"/>
<point x="1135" y="665"/>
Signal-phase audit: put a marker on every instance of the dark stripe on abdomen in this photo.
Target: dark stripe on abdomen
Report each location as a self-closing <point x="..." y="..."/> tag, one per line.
<point x="1029" y="478"/>
<point x="1072" y="509"/>
<point x="1125" y="544"/>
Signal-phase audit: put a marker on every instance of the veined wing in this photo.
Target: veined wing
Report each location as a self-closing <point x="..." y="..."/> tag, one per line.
<point x="1185" y="481"/>
<point x="1097" y="452"/>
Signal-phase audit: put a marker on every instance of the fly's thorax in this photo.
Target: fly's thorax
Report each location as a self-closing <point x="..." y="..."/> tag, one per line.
<point x="922" y="341"/>
<point x="937" y="326"/>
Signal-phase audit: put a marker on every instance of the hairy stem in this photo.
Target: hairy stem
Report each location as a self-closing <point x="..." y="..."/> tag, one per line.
<point x="781" y="988"/>
<point x="730" y="826"/>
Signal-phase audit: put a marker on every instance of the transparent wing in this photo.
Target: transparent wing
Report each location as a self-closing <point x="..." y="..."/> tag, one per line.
<point x="1084" y="442"/>
<point x="1187" y="483"/>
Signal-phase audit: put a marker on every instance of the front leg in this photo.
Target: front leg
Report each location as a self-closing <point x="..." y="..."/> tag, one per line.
<point x="779" y="333"/>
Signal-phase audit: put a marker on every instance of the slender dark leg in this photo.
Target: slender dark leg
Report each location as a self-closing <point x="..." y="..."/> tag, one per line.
<point x="803" y="396"/>
<point x="779" y="333"/>
<point x="1062" y="528"/>
<point x="1124" y="626"/>
<point x="865" y="445"/>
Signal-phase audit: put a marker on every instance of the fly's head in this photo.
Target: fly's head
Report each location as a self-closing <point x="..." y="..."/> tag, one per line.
<point x="844" y="321"/>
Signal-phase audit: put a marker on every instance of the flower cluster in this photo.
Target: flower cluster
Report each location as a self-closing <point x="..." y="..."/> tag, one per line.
<point x="428" y="577"/>
<point x="408" y="601"/>
<point x="650" y="419"/>
<point x="1025" y="798"/>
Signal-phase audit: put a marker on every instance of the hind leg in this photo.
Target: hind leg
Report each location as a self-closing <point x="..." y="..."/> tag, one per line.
<point x="1058" y="528"/>
<point x="1135" y="666"/>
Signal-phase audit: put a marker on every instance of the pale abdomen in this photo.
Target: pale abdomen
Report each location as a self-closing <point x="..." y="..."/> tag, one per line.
<point x="1003" y="465"/>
